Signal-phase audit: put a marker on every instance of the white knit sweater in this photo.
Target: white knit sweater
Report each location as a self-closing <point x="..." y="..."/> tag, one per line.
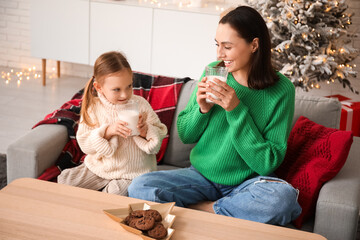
<point x="119" y="158"/>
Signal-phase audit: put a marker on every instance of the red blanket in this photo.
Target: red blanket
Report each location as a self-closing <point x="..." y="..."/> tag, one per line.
<point x="161" y="92"/>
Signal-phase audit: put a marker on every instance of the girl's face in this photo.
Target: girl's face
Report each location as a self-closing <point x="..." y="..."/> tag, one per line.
<point x="116" y="87"/>
<point x="232" y="49"/>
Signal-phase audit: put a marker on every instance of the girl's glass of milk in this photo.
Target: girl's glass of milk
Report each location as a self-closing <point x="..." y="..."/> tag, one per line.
<point x="215" y="72"/>
<point x="130" y="114"/>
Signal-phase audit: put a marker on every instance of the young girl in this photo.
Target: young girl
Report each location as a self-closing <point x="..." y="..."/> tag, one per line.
<point x="114" y="157"/>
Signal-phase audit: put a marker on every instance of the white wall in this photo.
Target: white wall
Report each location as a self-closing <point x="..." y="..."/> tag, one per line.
<point x="15" y="39"/>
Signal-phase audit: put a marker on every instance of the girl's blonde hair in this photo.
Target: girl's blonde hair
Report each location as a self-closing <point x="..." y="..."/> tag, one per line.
<point x="108" y="63"/>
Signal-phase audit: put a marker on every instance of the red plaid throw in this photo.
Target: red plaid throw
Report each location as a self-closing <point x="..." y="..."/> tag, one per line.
<point x="161" y="92"/>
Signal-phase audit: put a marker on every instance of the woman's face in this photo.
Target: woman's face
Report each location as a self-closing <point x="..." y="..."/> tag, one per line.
<point x="232" y="49"/>
<point x="116" y="87"/>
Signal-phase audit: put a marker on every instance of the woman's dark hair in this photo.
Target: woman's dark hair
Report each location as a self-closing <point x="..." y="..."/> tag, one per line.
<point x="249" y="25"/>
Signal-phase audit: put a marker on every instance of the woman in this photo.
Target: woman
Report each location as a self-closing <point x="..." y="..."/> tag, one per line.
<point x="241" y="139"/>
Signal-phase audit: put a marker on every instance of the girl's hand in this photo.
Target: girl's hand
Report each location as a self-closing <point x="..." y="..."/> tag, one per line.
<point x="117" y="128"/>
<point x="142" y="126"/>
<point x="201" y="96"/>
<point x="226" y="95"/>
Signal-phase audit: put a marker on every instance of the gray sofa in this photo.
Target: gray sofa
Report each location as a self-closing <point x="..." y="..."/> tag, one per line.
<point x="337" y="209"/>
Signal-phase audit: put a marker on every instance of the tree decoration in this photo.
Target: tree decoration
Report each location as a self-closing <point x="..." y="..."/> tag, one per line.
<point x="311" y="43"/>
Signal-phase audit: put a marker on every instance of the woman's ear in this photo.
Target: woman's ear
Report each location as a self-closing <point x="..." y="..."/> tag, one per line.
<point x="97" y="86"/>
<point x="254" y="45"/>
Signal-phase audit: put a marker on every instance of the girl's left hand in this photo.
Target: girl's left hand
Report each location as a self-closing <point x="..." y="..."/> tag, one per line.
<point x="142" y="126"/>
<point x="226" y="95"/>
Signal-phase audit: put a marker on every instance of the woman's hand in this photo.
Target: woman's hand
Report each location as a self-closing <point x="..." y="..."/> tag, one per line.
<point x="117" y="128"/>
<point x="226" y="95"/>
<point x="142" y="126"/>
<point x="201" y="96"/>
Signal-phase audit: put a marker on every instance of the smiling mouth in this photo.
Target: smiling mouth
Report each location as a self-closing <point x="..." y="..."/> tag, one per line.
<point x="227" y="63"/>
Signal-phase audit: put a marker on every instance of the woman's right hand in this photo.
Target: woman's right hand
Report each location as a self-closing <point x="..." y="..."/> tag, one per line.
<point x="201" y="96"/>
<point x="117" y="128"/>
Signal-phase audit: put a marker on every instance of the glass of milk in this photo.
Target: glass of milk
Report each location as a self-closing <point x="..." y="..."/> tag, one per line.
<point x="130" y="114"/>
<point x="215" y="72"/>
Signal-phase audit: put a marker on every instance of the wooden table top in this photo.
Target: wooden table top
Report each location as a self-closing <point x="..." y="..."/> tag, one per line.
<point x="35" y="209"/>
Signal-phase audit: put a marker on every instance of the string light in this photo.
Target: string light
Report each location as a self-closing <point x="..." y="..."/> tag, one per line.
<point x="18" y="76"/>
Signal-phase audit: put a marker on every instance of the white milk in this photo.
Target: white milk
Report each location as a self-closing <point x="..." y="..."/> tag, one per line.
<point x="132" y="118"/>
<point x="211" y="79"/>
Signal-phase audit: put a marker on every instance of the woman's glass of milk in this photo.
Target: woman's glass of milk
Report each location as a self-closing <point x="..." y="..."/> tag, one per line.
<point x="130" y="114"/>
<point x="215" y="72"/>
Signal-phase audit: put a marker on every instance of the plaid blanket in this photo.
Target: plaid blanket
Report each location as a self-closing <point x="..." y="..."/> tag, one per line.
<point x="161" y="92"/>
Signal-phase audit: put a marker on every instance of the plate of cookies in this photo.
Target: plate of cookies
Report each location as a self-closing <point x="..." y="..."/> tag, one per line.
<point x="148" y="221"/>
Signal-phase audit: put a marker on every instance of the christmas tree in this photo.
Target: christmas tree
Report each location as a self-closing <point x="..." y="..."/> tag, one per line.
<point x="311" y="41"/>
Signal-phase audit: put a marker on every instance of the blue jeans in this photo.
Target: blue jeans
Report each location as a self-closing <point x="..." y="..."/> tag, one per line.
<point x="261" y="199"/>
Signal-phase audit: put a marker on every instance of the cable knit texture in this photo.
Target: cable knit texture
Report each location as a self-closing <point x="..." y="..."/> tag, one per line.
<point x="315" y="155"/>
<point x="119" y="157"/>
<point x="247" y="141"/>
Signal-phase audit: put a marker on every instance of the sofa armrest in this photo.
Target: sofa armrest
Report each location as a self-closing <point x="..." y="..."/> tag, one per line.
<point x="337" y="209"/>
<point x="33" y="153"/>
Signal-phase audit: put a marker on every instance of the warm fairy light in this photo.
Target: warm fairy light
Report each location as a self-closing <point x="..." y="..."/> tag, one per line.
<point x="317" y="86"/>
<point x="287" y="46"/>
<point x="304" y="35"/>
<point x="342" y="50"/>
<point x="18" y="76"/>
<point x="328" y="82"/>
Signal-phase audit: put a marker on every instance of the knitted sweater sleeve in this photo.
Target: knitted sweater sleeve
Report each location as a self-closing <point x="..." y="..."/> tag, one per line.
<point x="91" y="140"/>
<point x="191" y="123"/>
<point x="156" y="131"/>
<point x="263" y="151"/>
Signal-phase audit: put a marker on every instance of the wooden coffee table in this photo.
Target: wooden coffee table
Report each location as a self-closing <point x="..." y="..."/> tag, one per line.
<point x="35" y="209"/>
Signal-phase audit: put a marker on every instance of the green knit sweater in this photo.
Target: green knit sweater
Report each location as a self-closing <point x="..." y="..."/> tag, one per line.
<point x="250" y="140"/>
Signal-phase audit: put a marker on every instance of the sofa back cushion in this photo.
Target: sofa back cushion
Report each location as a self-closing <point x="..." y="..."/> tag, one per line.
<point x="323" y="111"/>
<point x="177" y="153"/>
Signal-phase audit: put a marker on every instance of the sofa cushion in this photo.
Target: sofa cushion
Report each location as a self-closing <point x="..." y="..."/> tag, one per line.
<point x="324" y="111"/>
<point x="177" y="153"/>
<point x="315" y="155"/>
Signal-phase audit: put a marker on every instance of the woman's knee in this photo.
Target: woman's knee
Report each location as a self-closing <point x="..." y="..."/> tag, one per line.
<point x="142" y="187"/>
<point x="261" y="201"/>
<point x="283" y="204"/>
